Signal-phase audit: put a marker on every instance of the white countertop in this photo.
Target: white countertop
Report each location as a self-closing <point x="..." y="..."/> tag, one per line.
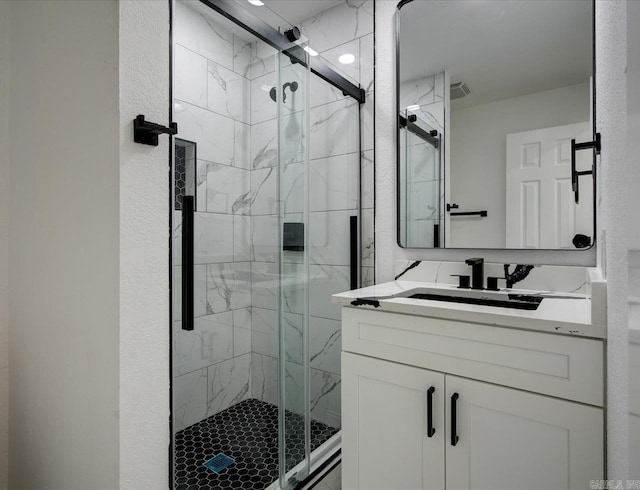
<point x="568" y="315"/>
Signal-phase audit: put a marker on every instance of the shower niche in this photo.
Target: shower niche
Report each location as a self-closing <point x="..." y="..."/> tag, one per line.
<point x="184" y="171"/>
<point x="271" y="153"/>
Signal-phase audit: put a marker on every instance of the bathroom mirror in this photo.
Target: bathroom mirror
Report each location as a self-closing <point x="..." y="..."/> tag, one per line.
<point x="490" y="95"/>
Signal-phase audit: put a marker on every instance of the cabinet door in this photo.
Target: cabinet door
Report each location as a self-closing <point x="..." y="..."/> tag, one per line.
<point x="513" y="440"/>
<point x="385" y="440"/>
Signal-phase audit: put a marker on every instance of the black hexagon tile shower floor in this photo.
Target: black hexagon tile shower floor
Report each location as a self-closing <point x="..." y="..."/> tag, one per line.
<point x="248" y="433"/>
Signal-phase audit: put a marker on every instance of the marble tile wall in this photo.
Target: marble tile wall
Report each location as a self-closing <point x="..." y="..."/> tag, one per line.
<point x="567" y="279"/>
<point x="345" y="28"/>
<point x="212" y="363"/>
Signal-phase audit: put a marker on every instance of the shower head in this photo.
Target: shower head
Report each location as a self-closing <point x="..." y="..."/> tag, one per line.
<point x="293" y="86"/>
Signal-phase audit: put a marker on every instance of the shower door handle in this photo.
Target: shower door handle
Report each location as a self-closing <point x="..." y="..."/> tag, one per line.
<point x="188" y="205"/>
<point x="353" y="251"/>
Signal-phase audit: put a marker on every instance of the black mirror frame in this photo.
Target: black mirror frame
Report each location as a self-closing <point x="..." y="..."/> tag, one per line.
<point x="443" y="231"/>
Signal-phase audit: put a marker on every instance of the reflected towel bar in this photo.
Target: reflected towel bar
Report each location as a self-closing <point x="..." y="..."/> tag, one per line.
<point x="471" y="213"/>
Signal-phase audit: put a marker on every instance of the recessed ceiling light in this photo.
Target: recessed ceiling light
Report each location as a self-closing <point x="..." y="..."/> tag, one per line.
<point x="257" y="3"/>
<point x="347" y="59"/>
<point x="413" y="107"/>
<point x="311" y="51"/>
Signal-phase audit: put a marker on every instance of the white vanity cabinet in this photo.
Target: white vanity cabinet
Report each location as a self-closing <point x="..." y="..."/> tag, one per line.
<point x="526" y="414"/>
<point x="385" y="441"/>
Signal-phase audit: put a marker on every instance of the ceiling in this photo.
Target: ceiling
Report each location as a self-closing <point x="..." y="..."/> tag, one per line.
<point x="500" y="48"/>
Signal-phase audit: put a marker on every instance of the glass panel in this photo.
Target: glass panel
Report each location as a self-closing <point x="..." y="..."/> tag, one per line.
<point x="216" y="413"/>
<point x="292" y="96"/>
<point x="421" y="193"/>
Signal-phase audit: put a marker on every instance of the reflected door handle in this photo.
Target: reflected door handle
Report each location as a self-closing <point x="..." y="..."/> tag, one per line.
<point x="575" y="175"/>
<point x="430" y="429"/>
<point x="188" y="205"/>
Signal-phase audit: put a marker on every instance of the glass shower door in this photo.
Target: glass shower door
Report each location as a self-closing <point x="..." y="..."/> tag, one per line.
<point x="270" y="223"/>
<point x="293" y="262"/>
<point x="421" y="185"/>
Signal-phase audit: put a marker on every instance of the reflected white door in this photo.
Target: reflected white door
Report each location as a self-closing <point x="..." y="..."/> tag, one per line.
<point x="540" y="205"/>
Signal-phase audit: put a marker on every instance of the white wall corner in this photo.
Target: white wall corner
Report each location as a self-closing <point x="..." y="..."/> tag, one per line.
<point x="63" y="265"/>
<point x="144" y="249"/>
<point x="385" y="144"/>
<point x="5" y="40"/>
<point x="611" y="61"/>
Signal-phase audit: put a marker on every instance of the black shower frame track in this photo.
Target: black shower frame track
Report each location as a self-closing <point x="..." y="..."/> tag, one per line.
<point x="278" y="40"/>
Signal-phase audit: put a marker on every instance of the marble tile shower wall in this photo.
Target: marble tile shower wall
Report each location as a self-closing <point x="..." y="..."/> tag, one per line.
<point x="426" y="191"/>
<point x="222" y="90"/>
<point x="348" y="28"/>
<point x="334" y="175"/>
<point x="212" y="363"/>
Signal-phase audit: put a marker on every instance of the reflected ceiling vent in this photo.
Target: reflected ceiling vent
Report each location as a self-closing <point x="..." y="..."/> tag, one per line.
<point x="459" y="90"/>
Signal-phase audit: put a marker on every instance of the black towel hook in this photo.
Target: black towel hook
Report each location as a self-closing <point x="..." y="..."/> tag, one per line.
<point x="146" y="132"/>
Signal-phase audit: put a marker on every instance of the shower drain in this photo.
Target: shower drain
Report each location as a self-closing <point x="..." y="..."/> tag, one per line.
<point x="219" y="463"/>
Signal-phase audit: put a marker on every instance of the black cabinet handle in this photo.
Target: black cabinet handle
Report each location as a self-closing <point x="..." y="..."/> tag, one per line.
<point x="353" y="251"/>
<point x="454" y="435"/>
<point x="430" y="429"/>
<point x="188" y="205"/>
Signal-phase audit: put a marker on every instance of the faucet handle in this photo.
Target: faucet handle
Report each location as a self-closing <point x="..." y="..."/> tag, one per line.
<point x="464" y="281"/>
<point x="492" y="283"/>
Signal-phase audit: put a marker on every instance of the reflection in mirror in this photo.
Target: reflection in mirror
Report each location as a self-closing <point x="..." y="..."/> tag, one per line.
<point x="422" y="195"/>
<point x="505" y="87"/>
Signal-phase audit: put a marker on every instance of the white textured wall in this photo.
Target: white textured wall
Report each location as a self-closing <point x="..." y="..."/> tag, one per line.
<point x="386" y="247"/>
<point x="144" y="248"/>
<point x="633" y="155"/>
<point x="5" y="30"/>
<point x="64" y="245"/>
<point x="478" y="141"/>
<point x="633" y="108"/>
<point x="613" y="257"/>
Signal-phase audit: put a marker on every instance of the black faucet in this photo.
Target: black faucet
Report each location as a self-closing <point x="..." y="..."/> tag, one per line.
<point x="477" y="272"/>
